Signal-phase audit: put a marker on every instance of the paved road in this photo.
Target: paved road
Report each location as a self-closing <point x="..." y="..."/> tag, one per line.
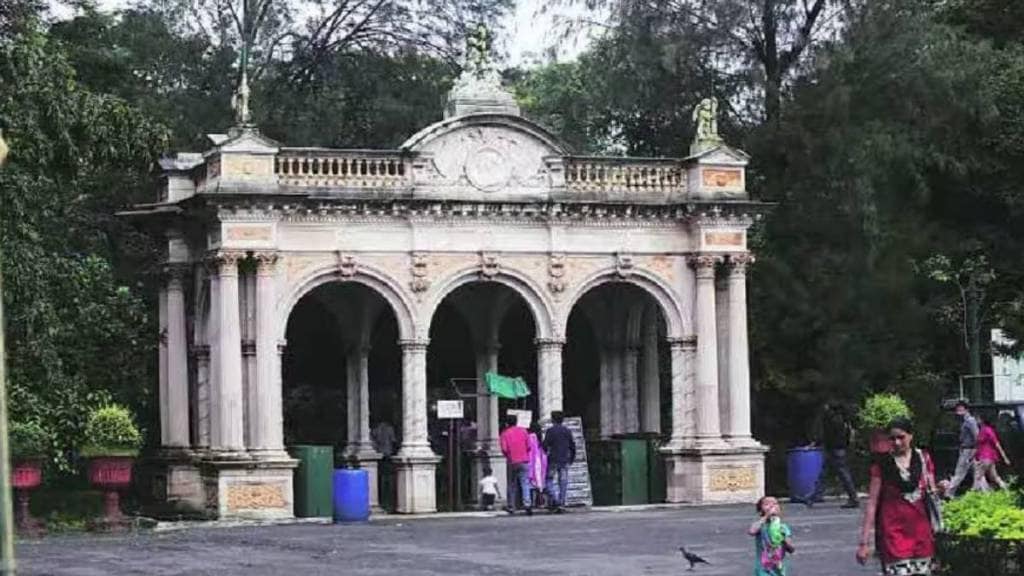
<point x="597" y="543"/>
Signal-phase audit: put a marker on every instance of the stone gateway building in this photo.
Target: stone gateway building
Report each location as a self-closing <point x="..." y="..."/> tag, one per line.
<point x="311" y="293"/>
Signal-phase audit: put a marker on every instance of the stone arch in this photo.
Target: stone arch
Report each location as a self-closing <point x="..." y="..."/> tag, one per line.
<point x="676" y="319"/>
<point x="521" y="284"/>
<point x="375" y="280"/>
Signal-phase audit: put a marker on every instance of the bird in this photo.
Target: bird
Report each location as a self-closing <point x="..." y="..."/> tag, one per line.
<point x="692" y="558"/>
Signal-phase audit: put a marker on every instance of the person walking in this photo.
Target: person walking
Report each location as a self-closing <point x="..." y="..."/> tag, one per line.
<point x="561" y="449"/>
<point x="968" y="447"/>
<point x="515" y="445"/>
<point x="987" y="456"/>
<point x="897" y="509"/>
<point x="835" y="439"/>
<point x="538" y="469"/>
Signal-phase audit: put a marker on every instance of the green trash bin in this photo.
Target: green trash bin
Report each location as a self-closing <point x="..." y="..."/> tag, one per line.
<point x="634" y="470"/>
<point x="313" y="481"/>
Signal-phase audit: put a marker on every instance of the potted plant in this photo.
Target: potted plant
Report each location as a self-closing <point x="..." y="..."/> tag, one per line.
<point x="114" y="442"/>
<point x="876" y="414"/>
<point x="29" y="444"/>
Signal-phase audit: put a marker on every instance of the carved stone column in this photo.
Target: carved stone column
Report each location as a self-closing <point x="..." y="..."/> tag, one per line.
<point x="358" y="386"/>
<point x="681" y="355"/>
<point x="415" y="461"/>
<point x="227" y="432"/>
<point x="165" y="418"/>
<point x="176" y="400"/>
<point x="708" y="431"/>
<point x="739" y="360"/>
<point x="267" y="430"/>
<point x="650" y="377"/>
<point x="722" y="327"/>
<point x="488" y="453"/>
<point x="630" y="385"/>
<point x="202" y="356"/>
<point x="618" y="389"/>
<point x="607" y="400"/>
<point x="549" y="376"/>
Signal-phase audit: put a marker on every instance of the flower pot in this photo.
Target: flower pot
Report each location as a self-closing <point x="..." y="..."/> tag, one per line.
<point x="111" y="474"/>
<point x="26" y="475"/>
<point x="879" y="441"/>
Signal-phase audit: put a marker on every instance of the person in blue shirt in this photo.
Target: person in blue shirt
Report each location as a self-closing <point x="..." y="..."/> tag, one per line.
<point x="561" y="450"/>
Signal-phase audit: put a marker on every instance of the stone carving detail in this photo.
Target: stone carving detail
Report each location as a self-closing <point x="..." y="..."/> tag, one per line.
<point x="556" y="272"/>
<point x="225" y="261"/>
<point x="420" y="282"/>
<point x="488" y="159"/>
<point x="489" y="266"/>
<point x="738" y="263"/>
<point x="256" y="496"/>
<point x="346" y="265"/>
<point x="623" y="265"/>
<point x="704" y="264"/>
<point x="266" y="261"/>
<point x="733" y="479"/>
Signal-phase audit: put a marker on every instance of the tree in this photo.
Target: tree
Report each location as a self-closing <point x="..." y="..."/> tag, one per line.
<point x="78" y="334"/>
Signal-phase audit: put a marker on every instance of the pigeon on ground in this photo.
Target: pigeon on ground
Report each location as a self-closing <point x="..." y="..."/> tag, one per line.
<point x="692" y="558"/>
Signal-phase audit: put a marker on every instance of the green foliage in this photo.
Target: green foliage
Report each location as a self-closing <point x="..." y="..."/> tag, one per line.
<point x="78" y="332"/>
<point x="881" y="409"/>
<point x="28" y="440"/>
<point x="111" y="431"/>
<point x="996" y="514"/>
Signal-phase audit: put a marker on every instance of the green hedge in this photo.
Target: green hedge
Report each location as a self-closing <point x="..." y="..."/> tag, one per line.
<point x="879" y="410"/>
<point x="111" y="431"/>
<point x="984" y="535"/>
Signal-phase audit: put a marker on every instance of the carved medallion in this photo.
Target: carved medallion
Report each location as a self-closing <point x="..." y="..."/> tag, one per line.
<point x="487" y="170"/>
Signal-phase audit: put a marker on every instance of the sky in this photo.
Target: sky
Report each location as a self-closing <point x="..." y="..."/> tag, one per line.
<point x="528" y="33"/>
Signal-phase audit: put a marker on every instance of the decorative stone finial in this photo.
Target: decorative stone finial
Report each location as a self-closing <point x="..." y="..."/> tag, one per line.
<point x="478" y="89"/>
<point x="705" y="118"/>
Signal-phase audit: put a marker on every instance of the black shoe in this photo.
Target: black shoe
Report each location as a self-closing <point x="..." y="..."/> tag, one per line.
<point x="851" y="504"/>
<point x="559" y="510"/>
<point x="529" y="511"/>
<point x="510" y="510"/>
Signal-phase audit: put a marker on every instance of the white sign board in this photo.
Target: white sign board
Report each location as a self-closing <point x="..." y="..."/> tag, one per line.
<point x="1007" y="371"/>
<point x="523" y="417"/>
<point x="449" y="409"/>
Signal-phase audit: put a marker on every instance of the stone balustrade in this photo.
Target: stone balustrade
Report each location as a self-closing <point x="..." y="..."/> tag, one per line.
<point x="324" y="168"/>
<point x="624" y="175"/>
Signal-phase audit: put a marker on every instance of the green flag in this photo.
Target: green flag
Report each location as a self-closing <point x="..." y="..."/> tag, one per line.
<point x="506" y="386"/>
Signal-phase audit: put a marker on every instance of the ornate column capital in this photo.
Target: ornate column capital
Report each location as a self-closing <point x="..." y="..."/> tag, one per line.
<point x="739" y="262"/>
<point x="685" y="343"/>
<point x="414" y="344"/>
<point x="225" y="262"/>
<point x="704" y="264"/>
<point x="266" y="262"/>
<point x="175" y="273"/>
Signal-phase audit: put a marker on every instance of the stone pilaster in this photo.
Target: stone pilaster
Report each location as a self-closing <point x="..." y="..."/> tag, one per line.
<point x="202" y="358"/>
<point x="549" y="376"/>
<point x="165" y="418"/>
<point x="630" y="398"/>
<point x="650" y="385"/>
<point x="176" y="399"/>
<point x="708" y="429"/>
<point x="739" y="360"/>
<point x="415" y="462"/>
<point x="607" y="399"/>
<point x="681" y="355"/>
<point x="267" y="430"/>
<point x="722" y="328"/>
<point x="226" y="419"/>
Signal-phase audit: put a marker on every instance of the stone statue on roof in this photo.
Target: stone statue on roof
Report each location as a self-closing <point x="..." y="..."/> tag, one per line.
<point x="478" y="51"/>
<point x="478" y="89"/>
<point x="705" y="119"/>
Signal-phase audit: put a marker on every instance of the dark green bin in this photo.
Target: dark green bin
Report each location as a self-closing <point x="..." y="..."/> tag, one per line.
<point x="313" y="484"/>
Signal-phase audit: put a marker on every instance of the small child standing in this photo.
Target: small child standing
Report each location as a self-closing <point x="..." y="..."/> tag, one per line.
<point x="773" y="539"/>
<point x="488" y="490"/>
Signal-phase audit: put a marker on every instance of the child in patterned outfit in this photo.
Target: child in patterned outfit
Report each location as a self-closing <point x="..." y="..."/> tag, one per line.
<point x="773" y="539"/>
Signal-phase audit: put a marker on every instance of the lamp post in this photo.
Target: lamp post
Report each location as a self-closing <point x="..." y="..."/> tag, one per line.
<point x="7" y="565"/>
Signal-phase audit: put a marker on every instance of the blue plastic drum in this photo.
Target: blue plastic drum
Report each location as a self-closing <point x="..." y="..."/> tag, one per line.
<point x="351" y="495"/>
<point x="803" y="469"/>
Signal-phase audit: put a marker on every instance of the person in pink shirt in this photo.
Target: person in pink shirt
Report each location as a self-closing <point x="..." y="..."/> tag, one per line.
<point x="515" y="445"/>
<point x="987" y="456"/>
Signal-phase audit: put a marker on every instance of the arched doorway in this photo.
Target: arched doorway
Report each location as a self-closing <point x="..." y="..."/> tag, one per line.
<point x="342" y="380"/>
<point x="616" y="377"/>
<point x="478" y="327"/>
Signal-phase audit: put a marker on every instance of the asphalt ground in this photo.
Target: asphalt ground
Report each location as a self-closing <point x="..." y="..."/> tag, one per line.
<point x="579" y="543"/>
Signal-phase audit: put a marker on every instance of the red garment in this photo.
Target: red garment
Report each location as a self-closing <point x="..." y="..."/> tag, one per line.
<point x="902" y="528"/>
<point x="987" y="445"/>
<point x="515" y="445"/>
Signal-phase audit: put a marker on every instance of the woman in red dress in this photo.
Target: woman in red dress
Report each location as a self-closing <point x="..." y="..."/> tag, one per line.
<point x="896" y="507"/>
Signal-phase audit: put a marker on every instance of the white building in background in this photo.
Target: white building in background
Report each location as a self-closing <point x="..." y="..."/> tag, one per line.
<point x="1007" y="371"/>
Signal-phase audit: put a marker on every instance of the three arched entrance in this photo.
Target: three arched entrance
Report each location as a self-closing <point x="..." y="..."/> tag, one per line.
<point x="347" y="359"/>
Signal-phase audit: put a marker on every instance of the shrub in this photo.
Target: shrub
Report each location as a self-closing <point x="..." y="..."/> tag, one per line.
<point x="111" y="431"/>
<point x="880" y="409"/>
<point x="28" y="440"/>
<point x="988" y="514"/>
